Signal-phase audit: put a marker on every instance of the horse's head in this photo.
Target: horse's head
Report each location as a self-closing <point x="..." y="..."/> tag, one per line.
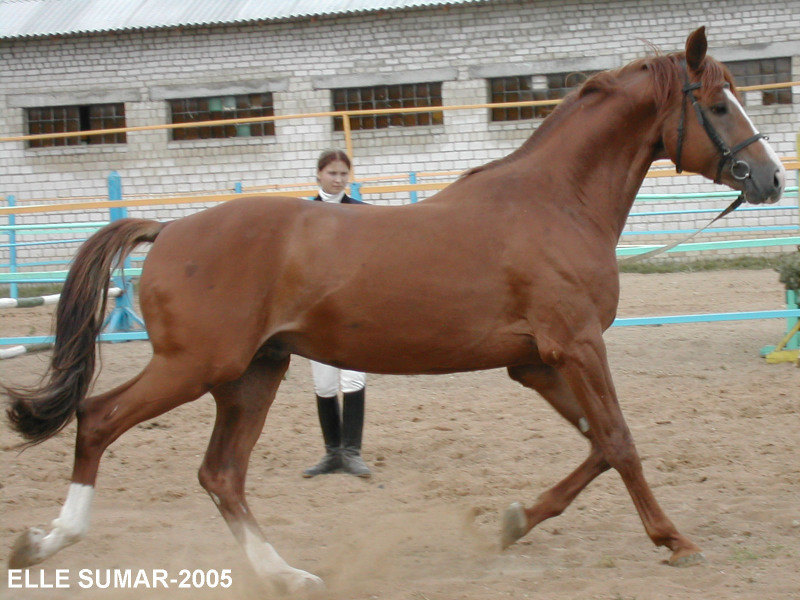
<point x="708" y="132"/>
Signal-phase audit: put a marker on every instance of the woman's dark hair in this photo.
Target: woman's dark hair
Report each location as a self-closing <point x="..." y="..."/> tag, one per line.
<point x="330" y="156"/>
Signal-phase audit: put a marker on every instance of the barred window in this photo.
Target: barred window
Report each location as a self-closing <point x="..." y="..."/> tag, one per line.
<point x="63" y="119"/>
<point x="522" y="88"/>
<point x="762" y="71"/>
<point x="216" y="108"/>
<point x="389" y="96"/>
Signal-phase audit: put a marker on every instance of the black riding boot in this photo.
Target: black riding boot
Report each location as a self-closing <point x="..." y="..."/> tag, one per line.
<point x="331" y="424"/>
<point x="352" y="427"/>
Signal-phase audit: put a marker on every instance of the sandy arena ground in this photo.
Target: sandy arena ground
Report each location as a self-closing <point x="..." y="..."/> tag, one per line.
<point x="717" y="427"/>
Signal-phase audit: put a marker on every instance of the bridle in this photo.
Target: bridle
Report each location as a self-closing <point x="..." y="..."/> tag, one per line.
<point x="740" y="170"/>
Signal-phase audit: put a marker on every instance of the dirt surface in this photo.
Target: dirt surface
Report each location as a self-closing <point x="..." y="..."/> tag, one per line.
<point x="717" y="427"/>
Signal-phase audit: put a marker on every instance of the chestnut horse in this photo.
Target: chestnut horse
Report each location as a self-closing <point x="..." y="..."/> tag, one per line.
<point x="513" y="265"/>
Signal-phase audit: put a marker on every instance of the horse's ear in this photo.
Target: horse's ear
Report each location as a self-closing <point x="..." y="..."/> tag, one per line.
<point x="696" y="46"/>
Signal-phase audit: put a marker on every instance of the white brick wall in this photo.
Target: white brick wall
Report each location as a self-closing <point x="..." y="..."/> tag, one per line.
<point x="465" y="39"/>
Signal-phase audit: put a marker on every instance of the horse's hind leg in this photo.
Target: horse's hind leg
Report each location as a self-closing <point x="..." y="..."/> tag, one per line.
<point x="161" y="386"/>
<point x="518" y="521"/>
<point x="242" y="407"/>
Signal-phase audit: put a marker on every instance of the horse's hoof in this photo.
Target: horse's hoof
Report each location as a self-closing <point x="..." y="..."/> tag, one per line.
<point x="687" y="560"/>
<point x="27" y="549"/>
<point x="513" y="525"/>
<point x="309" y="587"/>
<point x="297" y="585"/>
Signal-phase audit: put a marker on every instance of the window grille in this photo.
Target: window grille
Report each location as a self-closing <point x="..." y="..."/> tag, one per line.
<point x="389" y="96"/>
<point x="522" y="88"/>
<point x="216" y="108"/>
<point x="762" y="71"/>
<point x="63" y="119"/>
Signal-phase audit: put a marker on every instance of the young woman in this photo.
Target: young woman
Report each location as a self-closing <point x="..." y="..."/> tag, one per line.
<point x="341" y="430"/>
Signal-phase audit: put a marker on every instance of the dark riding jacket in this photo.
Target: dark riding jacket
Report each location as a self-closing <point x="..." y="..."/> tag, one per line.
<point x="345" y="200"/>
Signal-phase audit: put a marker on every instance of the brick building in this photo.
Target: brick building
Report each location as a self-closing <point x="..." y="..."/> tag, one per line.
<point x="75" y="65"/>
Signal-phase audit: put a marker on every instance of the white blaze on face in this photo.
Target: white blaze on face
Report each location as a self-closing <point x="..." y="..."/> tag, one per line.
<point x="738" y="108"/>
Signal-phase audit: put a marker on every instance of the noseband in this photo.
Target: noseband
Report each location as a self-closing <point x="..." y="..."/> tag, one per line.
<point x="740" y="170"/>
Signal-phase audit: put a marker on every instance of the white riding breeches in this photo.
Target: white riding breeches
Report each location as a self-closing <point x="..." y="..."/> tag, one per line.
<point x="329" y="380"/>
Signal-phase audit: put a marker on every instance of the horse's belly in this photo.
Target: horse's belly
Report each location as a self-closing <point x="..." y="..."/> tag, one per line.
<point x="403" y="352"/>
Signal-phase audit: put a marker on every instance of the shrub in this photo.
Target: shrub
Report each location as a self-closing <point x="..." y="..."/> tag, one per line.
<point x="789" y="271"/>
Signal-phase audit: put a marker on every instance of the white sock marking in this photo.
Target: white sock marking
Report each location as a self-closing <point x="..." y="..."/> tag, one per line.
<point x="268" y="563"/>
<point x="262" y="555"/>
<point x="73" y="521"/>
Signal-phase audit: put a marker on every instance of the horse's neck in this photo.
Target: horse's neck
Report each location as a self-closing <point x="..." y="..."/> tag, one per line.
<point x="606" y="145"/>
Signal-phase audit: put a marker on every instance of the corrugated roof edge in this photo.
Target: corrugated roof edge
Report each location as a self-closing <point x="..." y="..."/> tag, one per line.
<point x="223" y="22"/>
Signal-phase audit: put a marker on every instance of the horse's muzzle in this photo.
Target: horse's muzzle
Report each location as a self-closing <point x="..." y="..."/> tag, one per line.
<point x="760" y="185"/>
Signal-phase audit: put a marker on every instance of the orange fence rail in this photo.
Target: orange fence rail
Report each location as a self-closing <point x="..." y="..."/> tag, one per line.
<point x="299" y="190"/>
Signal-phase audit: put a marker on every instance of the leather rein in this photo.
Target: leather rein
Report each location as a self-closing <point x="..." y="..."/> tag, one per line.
<point x="740" y="170"/>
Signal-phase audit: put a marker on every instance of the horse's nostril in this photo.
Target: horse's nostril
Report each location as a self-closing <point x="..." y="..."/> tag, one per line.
<point x="779" y="179"/>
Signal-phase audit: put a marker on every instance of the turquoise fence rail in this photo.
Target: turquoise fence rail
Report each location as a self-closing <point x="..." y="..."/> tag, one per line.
<point x="789" y="313"/>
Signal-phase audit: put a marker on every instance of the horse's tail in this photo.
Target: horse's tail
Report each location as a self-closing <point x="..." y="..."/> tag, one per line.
<point x="39" y="413"/>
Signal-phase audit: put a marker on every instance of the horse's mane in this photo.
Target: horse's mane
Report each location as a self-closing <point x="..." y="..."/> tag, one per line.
<point x="666" y="73"/>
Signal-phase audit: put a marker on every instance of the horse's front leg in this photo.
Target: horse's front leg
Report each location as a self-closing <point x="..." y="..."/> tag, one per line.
<point x="584" y="365"/>
<point x="242" y="407"/>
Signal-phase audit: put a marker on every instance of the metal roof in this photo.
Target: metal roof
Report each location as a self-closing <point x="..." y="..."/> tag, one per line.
<point x="42" y="18"/>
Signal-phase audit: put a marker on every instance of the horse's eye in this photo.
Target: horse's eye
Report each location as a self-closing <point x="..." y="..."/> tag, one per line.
<point x="719" y="109"/>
